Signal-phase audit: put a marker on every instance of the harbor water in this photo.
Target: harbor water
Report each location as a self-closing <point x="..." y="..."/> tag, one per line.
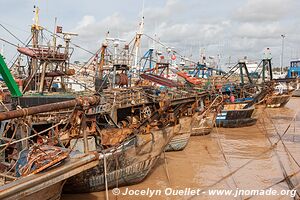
<point x="251" y="158"/>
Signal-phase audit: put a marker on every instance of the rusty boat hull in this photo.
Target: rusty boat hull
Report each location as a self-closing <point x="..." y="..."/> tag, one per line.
<point x="127" y="164"/>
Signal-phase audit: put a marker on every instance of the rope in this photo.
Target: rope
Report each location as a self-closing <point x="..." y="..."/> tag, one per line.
<point x="9" y="42"/>
<point x="284" y="172"/>
<point x="162" y="44"/>
<point x="224" y="156"/>
<point x="238" y="169"/>
<point x="54" y="34"/>
<point x="166" y="167"/>
<point x="12" y="34"/>
<point x="36" y="134"/>
<point x="7" y="128"/>
<point x="282" y="180"/>
<point x="6" y="145"/>
<point x="80" y="83"/>
<point x="105" y="174"/>
<point x="89" y="61"/>
<point x="286" y="176"/>
<point x="26" y="138"/>
<point x="4" y="106"/>
<point x="283" y="143"/>
<point x="274" y="145"/>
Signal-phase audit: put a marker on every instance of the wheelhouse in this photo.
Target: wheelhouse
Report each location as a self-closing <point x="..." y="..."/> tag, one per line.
<point x="294" y="70"/>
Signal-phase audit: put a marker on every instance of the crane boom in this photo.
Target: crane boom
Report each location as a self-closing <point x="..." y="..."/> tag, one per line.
<point x="8" y="79"/>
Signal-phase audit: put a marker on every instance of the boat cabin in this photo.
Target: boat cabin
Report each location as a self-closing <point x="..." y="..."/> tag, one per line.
<point x="294" y="70"/>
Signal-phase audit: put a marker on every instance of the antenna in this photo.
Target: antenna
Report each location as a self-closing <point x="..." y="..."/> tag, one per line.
<point x="105" y="42"/>
<point x="141" y="27"/>
<point x="143" y="8"/>
<point x="55" y="32"/>
<point x="36" y="17"/>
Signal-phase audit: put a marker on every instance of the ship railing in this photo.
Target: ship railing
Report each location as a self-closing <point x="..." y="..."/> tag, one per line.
<point x="126" y="97"/>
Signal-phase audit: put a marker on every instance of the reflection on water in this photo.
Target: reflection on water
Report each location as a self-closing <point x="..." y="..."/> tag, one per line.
<point x="202" y="164"/>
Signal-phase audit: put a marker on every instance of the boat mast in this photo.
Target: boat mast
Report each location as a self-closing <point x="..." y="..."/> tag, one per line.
<point x="137" y="44"/>
<point x="102" y="60"/>
<point x="35" y="29"/>
<point x="116" y="60"/>
<point x="54" y="35"/>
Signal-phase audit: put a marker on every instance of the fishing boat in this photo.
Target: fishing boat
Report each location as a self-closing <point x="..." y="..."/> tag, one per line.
<point x="35" y="170"/>
<point x="125" y="164"/>
<point x="203" y="122"/>
<point x="277" y="91"/>
<point x="294" y="72"/>
<point x="28" y="168"/>
<point x="33" y="166"/>
<point x="142" y="118"/>
<point x="235" y="115"/>
<point x="296" y="93"/>
<point x="277" y="100"/>
<point x="181" y="136"/>
<point x="47" y="181"/>
<point x="128" y="154"/>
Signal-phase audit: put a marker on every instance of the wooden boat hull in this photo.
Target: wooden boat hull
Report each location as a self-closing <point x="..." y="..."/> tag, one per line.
<point x="128" y="164"/>
<point x="181" y="135"/>
<point x="277" y="101"/>
<point x="236" y="118"/>
<point x="296" y="93"/>
<point x="203" y="125"/>
<point x="237" y="123"/>
<point x="52" y="192"/>
<point x="178" y="142"/>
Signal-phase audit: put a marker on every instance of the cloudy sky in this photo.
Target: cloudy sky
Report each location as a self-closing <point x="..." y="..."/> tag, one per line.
<point x="232" y="28"/>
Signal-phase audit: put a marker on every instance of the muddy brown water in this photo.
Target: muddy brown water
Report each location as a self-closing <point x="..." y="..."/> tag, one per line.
<point x="206" y="160"/>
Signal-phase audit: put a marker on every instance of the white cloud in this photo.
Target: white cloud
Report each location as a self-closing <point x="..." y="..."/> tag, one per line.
<point x="263" y="10"/>
<point x="90" y="29"/>
<point x="232" y="28"/>
<point x="259" y="31"/>
<point x="172" y="10"/>
<point x="255" y="25"/>
<point x="86" y="21"/>
<point x="92" y="32"/>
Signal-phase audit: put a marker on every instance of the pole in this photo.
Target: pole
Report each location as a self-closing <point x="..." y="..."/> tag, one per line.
<point x="85" y="135"/>
<point x="282" y="51"/>
<point x="241" y="72"/>
<point x="264" y="70"/>
<point x="114" y="65"/>
<point x="105" y="174"/>
<point x="42" y="80"/>
<point x="54" y="35"/>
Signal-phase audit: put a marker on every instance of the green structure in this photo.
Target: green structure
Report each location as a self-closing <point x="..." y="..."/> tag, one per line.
<point x="8" y="79"/>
